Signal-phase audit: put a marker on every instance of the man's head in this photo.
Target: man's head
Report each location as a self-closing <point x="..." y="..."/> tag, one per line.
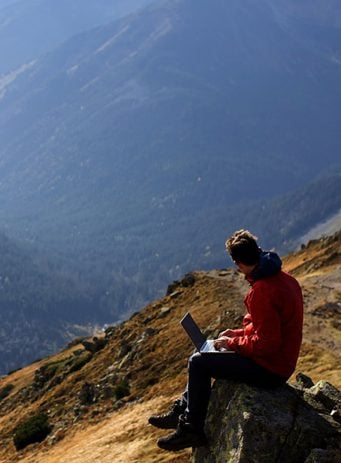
<point x="243" y="249"/>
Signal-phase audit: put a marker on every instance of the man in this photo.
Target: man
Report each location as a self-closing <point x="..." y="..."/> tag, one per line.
<point x="264" y="352"/>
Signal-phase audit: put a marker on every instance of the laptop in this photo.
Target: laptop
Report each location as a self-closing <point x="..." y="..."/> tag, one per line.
<point x="202" y="344"/>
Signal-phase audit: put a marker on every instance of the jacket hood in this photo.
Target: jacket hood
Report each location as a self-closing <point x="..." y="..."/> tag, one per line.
<point x="269" y="264"/>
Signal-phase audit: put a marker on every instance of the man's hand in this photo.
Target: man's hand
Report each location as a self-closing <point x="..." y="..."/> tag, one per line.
<point x="229" y="333"/>
<point x="222" y="343"/>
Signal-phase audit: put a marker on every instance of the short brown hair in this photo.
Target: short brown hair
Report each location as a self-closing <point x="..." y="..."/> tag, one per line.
<point x="242" y="247"/>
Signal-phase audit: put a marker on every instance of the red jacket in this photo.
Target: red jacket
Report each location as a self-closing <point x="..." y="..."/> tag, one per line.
<point x="272" y="332"/>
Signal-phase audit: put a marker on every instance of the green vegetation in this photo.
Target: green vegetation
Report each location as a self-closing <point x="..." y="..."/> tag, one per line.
<point x="35" y="429"/>
<point x="5" y="391"/>
<point x="80" y="361"/>
<point x="53" y="368"/>
<point x="61" y="367"/>
<point x="122" y="389"/>
<point x="149" y="381"/>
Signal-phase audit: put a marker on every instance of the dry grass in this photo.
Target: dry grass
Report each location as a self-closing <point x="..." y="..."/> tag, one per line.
<point x="125" y="437"/>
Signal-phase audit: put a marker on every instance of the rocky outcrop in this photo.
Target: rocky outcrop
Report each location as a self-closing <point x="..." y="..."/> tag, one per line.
<point x="94" y="344"/>
<point x="283" y="425"/>
<point x="187" y="281"/>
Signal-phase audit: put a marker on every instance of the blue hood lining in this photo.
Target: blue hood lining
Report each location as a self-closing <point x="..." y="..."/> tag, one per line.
<point x="269" y="264"/>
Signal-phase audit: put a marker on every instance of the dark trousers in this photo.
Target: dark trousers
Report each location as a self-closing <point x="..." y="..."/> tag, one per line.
<point x="221" y="365"/>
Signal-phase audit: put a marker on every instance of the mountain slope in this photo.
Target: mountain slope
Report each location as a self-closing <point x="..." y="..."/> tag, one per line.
<point x="45" y="303"/>
<point x="283" y="220"/>
<point x="41" y="309"/>
<point x="135" y="148"/>
<point x="148" y="353"/>
<point x="128" y="107"/>
<point x="30" y="28"/>
<point x="100" y="86"/>
<point x="325" y="228"/>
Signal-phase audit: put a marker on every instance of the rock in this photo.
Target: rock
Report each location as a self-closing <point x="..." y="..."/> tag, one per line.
<point x="172" y="287"/>
<point x="303" y="381"/>
<point x="336" y="414"/>
<point x="175" y="294"/>
<point x="223" y="273"/>
<point x="124" y="349"/>
<point x="41" y="377"/>
<point x="76" y="341"/>
<point x="80" y="410"/>
<point x="149" y="332"/>
<point x="164" y="311"/>
<point x="87" y="394"/>
<point x="324" y="456"/>
<point x="110" y="332"/>
<point x="255" y="425"/>
<point x="110" y="378"/>
<point x="187" y="281"/>
<point x="118" y="404"/>
<point x="146" y="334"/>
<point x="127" y="360"/>
<point x="78" y="352"/>
<point x="57" y="436"/>
<point x="95" y="344"/>
<point x="107" y="392"/>
<point x="326" y="394"/>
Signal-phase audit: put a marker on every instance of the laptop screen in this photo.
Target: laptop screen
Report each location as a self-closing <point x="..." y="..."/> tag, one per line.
<point x="193" y="331"/>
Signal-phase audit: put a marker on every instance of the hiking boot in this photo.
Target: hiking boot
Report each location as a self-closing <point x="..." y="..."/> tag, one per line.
<point x="186" y="435"/>
<point x="170" y="419"/>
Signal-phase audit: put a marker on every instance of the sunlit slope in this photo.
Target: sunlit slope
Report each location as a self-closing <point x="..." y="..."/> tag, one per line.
<point x="150" y="352"/>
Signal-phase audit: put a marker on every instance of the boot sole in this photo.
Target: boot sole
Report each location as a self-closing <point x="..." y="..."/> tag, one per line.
<point x="160" y="426"/>
<point x="181" y="446"/>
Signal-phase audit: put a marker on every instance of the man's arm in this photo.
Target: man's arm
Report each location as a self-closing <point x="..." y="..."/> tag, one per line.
<point x="222" y="343"/>
<point x="231" y="333"/>
<point x="265" y="336"/>
<point x="239" y="331"/>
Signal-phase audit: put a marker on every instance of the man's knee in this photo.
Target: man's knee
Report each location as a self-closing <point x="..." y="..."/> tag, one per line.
<point x="196" y="360"/>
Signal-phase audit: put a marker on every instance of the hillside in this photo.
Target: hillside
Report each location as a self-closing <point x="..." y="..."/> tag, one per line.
<point x="31" y="28"/>
<point x="120" y="88"/>
<point x="134" y="148"/>
<point x="146" y="356"/>
<point x="41" y="308"/>
<point x="45" y="300"/>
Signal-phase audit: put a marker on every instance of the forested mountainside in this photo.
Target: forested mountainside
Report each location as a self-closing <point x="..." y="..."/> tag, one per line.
<point x="97" y="394"/>
<point x="45" y="301"/>
<point x="129" y="153"/>
<point x="41" y="309"/>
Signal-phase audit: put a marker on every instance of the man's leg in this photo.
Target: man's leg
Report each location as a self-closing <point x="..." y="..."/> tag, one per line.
<point x="170" y="419"/>
<point x="201" y="368"/>
<point x="222" y="365"/>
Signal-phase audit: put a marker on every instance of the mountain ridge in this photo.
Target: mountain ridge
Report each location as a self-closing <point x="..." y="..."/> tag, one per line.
<point x="50" y="25"/>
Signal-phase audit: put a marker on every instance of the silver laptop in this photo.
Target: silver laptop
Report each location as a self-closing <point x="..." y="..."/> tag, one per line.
<point x="202" y="344"/>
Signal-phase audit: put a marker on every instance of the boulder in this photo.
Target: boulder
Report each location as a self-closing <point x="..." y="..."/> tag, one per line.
<point x="87" y="394"/>
<point x="324" y="393"/>
<point x="187" y="281"/>
<point x="94" y="344"/>
<point x="255" y="425"/>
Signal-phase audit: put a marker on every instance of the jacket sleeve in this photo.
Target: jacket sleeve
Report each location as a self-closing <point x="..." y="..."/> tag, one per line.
<point x="263" y="336"/>
<point x="247" y="323"/>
